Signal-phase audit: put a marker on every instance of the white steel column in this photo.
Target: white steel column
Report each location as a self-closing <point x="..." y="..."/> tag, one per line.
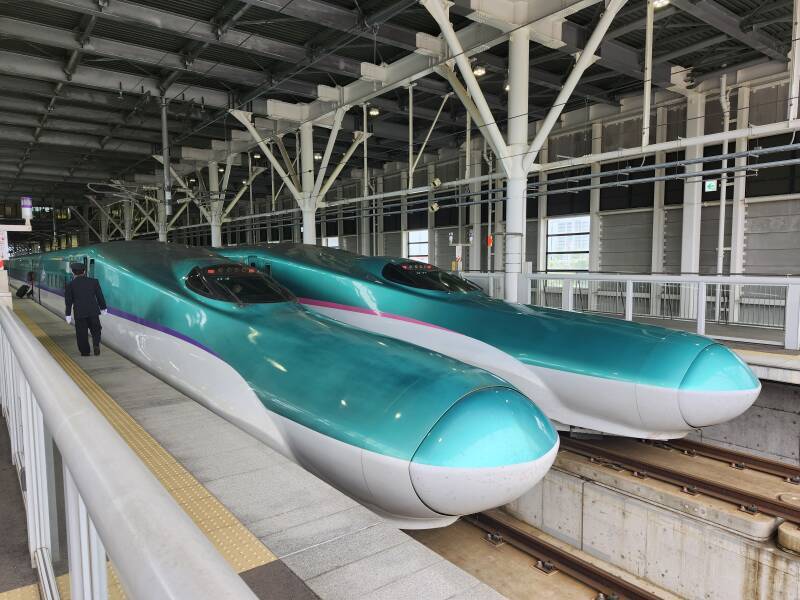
<point x="657" y="253"/>
<point x="103" y="226"/>
<point x="541" y="237"/>
<point x="594" y="201"/>
<point x="439" y="10"/>
<point x="794" y="65"/>
<point x="309" y="203"/>
<point x="216" y="204"/>
<point x="380" y="242"/>
<point x="165" y="160"/>
<point x="659" y="187"/>
<point x="739" y="185"/>
<point x="249" y="234"/>
<point x="517" y="183"/>
<point x="161" y="215"/>
<point x="366" y="228"/>
<point x="739" y="204"/>
<point x="648" y="73"/>
<point x="127" y="219"/>
<point x="585" y="60"/>
<point x="475" y="161"/>
<point x="594" y="214"/>
<point x="431" y="218"/>
<point x="693" y="186"/>
<point x="410" y="174"/>
<point x="725" y="104"/>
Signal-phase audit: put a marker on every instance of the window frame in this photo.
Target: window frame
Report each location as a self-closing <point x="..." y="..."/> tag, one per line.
<point x="414" y="243"/>
<point x="587" y="252"/>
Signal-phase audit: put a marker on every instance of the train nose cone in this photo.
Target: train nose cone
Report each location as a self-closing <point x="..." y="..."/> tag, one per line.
<point x="491" y="447"/>
<point x="717" y="387"/>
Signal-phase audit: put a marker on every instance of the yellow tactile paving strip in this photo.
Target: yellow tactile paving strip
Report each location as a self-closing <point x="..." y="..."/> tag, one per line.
<point x="115" y="591"/>
<point x="234" y="541"/>
<point x="29" y="592"/>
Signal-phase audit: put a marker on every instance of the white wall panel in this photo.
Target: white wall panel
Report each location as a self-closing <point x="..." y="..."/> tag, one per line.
<point x="625" y="242"/>
<point x="772" y="237"/>
<point x="673" y="223"/>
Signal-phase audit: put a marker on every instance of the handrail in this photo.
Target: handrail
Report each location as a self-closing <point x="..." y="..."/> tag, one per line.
<point x="156" y="549"/>
<point x="692" y="297"/>
<point x="710" y="279"/>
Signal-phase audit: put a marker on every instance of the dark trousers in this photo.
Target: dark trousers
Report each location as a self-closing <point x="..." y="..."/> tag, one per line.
<point x="82" y="328"/>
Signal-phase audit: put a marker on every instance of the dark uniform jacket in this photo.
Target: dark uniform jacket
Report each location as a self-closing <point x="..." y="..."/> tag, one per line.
<point x="85" y="295"/>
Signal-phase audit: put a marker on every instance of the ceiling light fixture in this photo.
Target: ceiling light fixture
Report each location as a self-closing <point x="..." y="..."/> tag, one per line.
<point x="507" y="86"/>
<point x="479" y="71"/>
<point x="221" y="170"/>
<point x="257" y="156"/>
<point x="317" y="156"/>
<point x="660" y="3"/>
<point x="374" y="111"/>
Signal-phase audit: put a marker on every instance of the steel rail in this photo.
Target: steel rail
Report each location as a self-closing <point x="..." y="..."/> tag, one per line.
<point x="739" y="460"/>
<point x="584" y="571"/>
<point x="747" y="501"/>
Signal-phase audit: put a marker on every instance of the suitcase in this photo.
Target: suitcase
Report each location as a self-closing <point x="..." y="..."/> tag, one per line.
<point x="23" y="290"/>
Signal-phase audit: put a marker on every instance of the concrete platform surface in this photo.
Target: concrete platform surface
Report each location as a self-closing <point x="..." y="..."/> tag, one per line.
<point x="15" y="562"/>
<point x="335" y="546"/>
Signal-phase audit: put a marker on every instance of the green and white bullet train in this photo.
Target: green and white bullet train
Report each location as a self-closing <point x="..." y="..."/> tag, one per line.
<point x="584" y="371"/>
<point x="417" y="436"/>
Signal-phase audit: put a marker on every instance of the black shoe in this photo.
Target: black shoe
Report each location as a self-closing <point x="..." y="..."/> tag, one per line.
<point x="82" y="354"/>
<point x="97" y="350"/>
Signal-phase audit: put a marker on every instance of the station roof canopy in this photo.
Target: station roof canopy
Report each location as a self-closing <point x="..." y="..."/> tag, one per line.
<point x="80" y="80"/>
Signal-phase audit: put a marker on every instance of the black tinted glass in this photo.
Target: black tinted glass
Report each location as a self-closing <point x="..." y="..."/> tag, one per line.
<point x="251" y="288"/>
<point x="427" y="277"/>
<point x="235" y="283"/>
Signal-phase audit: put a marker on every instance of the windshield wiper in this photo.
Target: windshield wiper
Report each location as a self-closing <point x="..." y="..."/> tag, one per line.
<point x="231" y="293"/>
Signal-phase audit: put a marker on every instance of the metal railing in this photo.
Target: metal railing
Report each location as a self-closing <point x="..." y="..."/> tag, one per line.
<point x="764" y="310"/>
<point x="88" y="498"/>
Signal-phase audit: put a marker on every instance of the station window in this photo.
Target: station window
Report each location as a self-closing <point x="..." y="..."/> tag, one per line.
<point x="418" y="245"/>
<point x="568" y="243"/>
<point x="331" y="242"/>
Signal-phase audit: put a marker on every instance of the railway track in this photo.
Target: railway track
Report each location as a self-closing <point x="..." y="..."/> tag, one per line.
<point x="550" y="556"/>
<point x="747" y="500"/>
<point x="739" y="460"/>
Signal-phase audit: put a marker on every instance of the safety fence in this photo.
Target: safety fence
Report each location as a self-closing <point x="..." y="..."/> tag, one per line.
<point x="90" y="503"/>
<point x="744" y="308"/>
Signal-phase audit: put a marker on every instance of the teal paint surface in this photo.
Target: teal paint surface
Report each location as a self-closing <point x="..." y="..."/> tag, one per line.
<point x="719" y="369"/>
<point x="587" y="344"/>
<point x="376" y="393"/>
<point x="483" y="430"/>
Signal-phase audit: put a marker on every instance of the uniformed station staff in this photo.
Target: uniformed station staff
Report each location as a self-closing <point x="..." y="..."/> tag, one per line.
<point x="83" y="294"/>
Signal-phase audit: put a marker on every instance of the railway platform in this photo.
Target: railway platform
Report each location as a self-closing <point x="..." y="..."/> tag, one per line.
<point x="277" y="526"/>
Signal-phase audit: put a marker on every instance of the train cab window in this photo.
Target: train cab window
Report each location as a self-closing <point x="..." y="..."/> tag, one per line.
<point x="195" y="283"/>
<point x="236" y="283"/>
<point x="424" y="276"/>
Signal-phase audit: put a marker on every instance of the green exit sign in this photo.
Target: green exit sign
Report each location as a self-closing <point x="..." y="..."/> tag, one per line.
<point x="711" y="185"/>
